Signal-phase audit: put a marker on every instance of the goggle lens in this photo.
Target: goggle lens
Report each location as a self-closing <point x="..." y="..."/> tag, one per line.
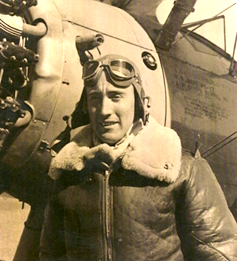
<point x="122" y="69"/>
<point x="89" y="69"/>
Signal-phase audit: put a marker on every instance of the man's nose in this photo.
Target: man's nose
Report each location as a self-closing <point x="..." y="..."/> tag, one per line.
<point x="106" y="106"/>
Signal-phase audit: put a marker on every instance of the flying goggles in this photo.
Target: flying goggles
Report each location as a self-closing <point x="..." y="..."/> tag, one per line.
<point x="121" y="72"/>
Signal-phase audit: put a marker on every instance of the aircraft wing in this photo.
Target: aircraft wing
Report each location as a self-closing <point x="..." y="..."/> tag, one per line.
<point x="145" y="13"/>
<point x="138" y="8"/>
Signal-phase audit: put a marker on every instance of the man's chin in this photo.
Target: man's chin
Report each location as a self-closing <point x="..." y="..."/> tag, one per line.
<point x="109" y="139"/>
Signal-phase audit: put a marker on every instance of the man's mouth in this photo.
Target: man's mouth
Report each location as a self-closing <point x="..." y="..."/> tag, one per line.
<point x="107" y="124"/>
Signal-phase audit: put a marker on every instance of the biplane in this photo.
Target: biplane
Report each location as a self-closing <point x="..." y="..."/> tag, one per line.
<point x="43" y="44"/>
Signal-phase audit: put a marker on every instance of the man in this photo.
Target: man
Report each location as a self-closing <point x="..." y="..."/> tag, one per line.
<point x="124" y="190"/>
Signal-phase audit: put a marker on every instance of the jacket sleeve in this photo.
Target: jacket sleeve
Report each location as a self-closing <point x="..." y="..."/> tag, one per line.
<point x="52" y="244"/>
<point x="207" y="229"/>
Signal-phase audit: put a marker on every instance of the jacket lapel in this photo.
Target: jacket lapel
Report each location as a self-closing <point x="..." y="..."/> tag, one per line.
<point x="155" y="152"/>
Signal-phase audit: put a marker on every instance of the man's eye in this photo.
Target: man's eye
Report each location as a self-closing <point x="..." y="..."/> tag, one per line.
<point x="116" y="97"/>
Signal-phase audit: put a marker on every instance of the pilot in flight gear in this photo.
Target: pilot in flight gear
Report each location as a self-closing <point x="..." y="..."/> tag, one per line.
<point x="124" y="189"/>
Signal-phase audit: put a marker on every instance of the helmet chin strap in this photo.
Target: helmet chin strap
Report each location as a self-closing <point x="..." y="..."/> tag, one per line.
<point x="147" y="105"/>
<point x="144" y="101"/>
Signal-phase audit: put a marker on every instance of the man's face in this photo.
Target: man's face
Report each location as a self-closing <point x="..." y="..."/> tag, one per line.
<point x="111" y="110"/>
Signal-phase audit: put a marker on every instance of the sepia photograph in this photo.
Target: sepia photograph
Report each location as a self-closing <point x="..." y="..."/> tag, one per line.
<point x="118" y="130"/>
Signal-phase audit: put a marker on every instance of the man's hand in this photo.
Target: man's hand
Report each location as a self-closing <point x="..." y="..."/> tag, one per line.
<point x="99" y="158"/>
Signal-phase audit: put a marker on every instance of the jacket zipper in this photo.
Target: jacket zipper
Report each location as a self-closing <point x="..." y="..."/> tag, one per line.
<point x="107" y="210"/>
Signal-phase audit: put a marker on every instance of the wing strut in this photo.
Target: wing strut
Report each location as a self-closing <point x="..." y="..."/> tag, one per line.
<point x="179" y="12"/>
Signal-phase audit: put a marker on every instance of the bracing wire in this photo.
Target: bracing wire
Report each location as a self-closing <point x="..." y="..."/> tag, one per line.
<point x="219" y="145"/>
<point x="202" y="23"/>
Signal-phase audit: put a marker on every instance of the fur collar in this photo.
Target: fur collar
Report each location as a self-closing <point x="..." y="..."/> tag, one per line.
<point x="155" y="152"/>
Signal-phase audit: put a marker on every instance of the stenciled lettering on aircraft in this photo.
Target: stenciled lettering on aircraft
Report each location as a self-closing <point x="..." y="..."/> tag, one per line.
<point x="201" y="96"/>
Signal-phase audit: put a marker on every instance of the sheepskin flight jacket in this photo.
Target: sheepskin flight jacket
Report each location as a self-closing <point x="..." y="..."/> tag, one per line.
<point x="154" y="203"/>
